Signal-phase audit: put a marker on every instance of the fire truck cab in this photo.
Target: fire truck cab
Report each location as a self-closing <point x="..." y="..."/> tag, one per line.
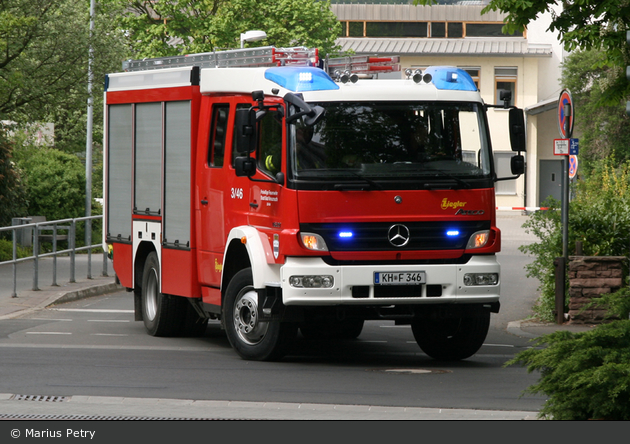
<point x="292" y="198"/>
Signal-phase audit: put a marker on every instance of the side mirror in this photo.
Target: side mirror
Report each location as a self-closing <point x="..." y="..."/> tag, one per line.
<point x="517" y="129"/>
<point x="245" y="126"/>
<point x="517" y="165"/>
<point x="245" y="166"/>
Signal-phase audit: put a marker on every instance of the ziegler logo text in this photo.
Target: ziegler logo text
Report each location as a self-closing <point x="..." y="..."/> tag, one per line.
<point x="446" y="204"/>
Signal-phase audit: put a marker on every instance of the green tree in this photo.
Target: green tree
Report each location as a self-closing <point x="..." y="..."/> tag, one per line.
<point x="156" y="29"/>
<point x="598" y="25"/>
<point x="54" y="182"/>
<point x="12" y="200"/>
<point x="604" y="128"/>
<point x="44" y="50"/>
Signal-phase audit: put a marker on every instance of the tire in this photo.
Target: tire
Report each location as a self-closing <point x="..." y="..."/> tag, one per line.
<point x="162" y="314"/>
<point x="331" y="330"/>
<point x="250" y="338"/>
<point x="451" y="339"/>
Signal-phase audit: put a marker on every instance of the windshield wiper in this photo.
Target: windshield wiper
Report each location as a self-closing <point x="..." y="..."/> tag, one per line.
<point x="459" y="181"/>
<point x="358" y="186"/>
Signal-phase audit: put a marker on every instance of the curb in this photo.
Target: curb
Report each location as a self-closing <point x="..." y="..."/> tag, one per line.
<point x="83" y="293"/>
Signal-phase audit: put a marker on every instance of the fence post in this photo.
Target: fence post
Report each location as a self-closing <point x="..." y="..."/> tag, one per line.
<point x="14" y="293"/>
<point x="36" y="256"/>
<point x="72" y="251"/>
<point x="54" y="243"/>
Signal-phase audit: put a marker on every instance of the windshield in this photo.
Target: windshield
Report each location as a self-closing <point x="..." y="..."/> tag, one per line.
<point x="391" y="145"/>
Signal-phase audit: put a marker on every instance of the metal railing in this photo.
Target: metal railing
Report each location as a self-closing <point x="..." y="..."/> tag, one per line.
<point x="69" y="225"/>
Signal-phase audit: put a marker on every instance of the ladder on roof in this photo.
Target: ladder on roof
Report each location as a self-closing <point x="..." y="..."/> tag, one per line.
<point x="250" y="57"/>
<point x="361" y="65"/>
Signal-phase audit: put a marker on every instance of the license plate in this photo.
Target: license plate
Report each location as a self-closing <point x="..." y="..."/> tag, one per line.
<point x="400" y="278"/>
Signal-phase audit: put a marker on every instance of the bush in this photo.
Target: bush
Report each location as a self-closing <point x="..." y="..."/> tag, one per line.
<point x="585" y="375"/>
<point x="599" y="217"/>
<point x="6" y="250"/>
<point x="55" y="182"/>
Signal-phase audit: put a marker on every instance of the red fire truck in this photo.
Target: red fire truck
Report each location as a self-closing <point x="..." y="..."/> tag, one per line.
<point x="279" y="193"/>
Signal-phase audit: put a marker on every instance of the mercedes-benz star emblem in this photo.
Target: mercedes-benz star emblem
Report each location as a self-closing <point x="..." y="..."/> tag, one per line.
<point x="398" y="235"/>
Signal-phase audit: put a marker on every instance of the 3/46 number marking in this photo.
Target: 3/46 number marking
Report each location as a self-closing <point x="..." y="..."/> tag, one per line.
<point x="237" y="193"/>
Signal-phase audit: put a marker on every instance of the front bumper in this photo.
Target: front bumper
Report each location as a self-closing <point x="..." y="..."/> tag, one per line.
<point x="444" y="284"/>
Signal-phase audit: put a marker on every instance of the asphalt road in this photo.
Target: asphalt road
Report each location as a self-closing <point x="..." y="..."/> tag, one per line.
<point x="93" y="348"/>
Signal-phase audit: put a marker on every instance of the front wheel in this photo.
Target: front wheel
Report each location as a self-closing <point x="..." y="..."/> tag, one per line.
<point x="250" y="337"/>
<point x="451" y="339"/>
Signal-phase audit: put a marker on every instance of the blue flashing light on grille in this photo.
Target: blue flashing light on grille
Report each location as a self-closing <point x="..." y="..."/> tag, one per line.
<point x="346" y="234"/>
<point x="452" y="233"/>
<point x="449" y="77"/>
<point x="299" y="79"/>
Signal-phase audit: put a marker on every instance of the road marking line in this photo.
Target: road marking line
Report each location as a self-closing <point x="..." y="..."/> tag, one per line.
<point x="107" y="334"/>
<point x="107" y="320"/>
<point x="92" y="310"/>
<point x="47" y="333"/>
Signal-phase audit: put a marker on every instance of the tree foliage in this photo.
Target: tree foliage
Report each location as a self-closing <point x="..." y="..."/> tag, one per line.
<point x="584" y="375"/>
<point x="44" y="52"/>
<point x="54" y="182"/>
<point x="12" y="201"/>
<point x="157" y="29"/>
<point x="598" y="25"/>
<point x="604" y="127"/>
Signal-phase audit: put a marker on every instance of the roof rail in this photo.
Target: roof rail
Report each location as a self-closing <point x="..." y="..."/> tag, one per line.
<point x="250" y="57"/>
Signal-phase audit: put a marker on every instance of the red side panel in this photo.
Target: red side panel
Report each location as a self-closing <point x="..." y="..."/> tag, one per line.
<point x="123" y="264"/>
<point x="179" y="273"/>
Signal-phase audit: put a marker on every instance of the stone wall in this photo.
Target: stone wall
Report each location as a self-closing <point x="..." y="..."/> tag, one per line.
<point x="590" y="277"/>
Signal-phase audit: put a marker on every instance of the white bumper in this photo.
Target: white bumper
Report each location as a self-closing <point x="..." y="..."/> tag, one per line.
<point x="449" y="277"/>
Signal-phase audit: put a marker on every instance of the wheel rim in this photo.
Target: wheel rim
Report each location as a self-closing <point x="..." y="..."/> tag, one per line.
<point x="247" y="325"/>
<point x="151" y="295"/>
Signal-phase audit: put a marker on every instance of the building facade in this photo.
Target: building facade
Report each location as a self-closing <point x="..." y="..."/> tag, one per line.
<point x="527" y="64"/>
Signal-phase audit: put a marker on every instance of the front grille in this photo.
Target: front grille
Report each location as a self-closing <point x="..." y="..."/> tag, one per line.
<point x="374" y="236"/>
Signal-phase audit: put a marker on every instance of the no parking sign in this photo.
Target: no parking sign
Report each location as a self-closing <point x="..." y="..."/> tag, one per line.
<point x="573" y="166"/>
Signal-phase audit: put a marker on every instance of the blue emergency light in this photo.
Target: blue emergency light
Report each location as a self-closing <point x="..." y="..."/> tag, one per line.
<point x="452" y="233"/>
<point x="449" y="77"/>
<point x="302" y="78"/>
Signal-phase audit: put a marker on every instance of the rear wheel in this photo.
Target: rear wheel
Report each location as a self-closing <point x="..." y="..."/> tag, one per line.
<point x="162" y="314"/>
<point x="250" y="337"/>
<point x="451" y="339"/>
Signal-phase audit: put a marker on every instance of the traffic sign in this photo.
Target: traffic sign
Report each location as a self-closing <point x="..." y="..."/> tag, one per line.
<point x="565" y="111"/>
<point x="573" y="166"/>
<point x="560" y="147"/>
<point x="574" y="146"/>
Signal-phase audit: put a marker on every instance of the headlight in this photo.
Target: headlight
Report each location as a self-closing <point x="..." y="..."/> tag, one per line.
<point x="313" y="241"/>
<point x="478" y="239"/>
<point x="472" y="279"/>
<point x="311" y="281"/>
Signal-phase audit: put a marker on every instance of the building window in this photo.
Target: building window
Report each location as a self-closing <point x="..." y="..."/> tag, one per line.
<point x="356" y="29"/>
<point x="438" y="29"/>
<point x="488" y="30"/>
<point x="505" y="83"/>
<point x="455" y="30"/>
<point x="503" y="169"/>
<point x="396" y="29"/>
<point x="474" y="72"/>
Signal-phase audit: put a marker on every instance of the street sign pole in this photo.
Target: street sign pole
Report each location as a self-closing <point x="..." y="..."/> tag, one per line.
<point x="565" y="126"/>
<point x="565" y="187"/>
